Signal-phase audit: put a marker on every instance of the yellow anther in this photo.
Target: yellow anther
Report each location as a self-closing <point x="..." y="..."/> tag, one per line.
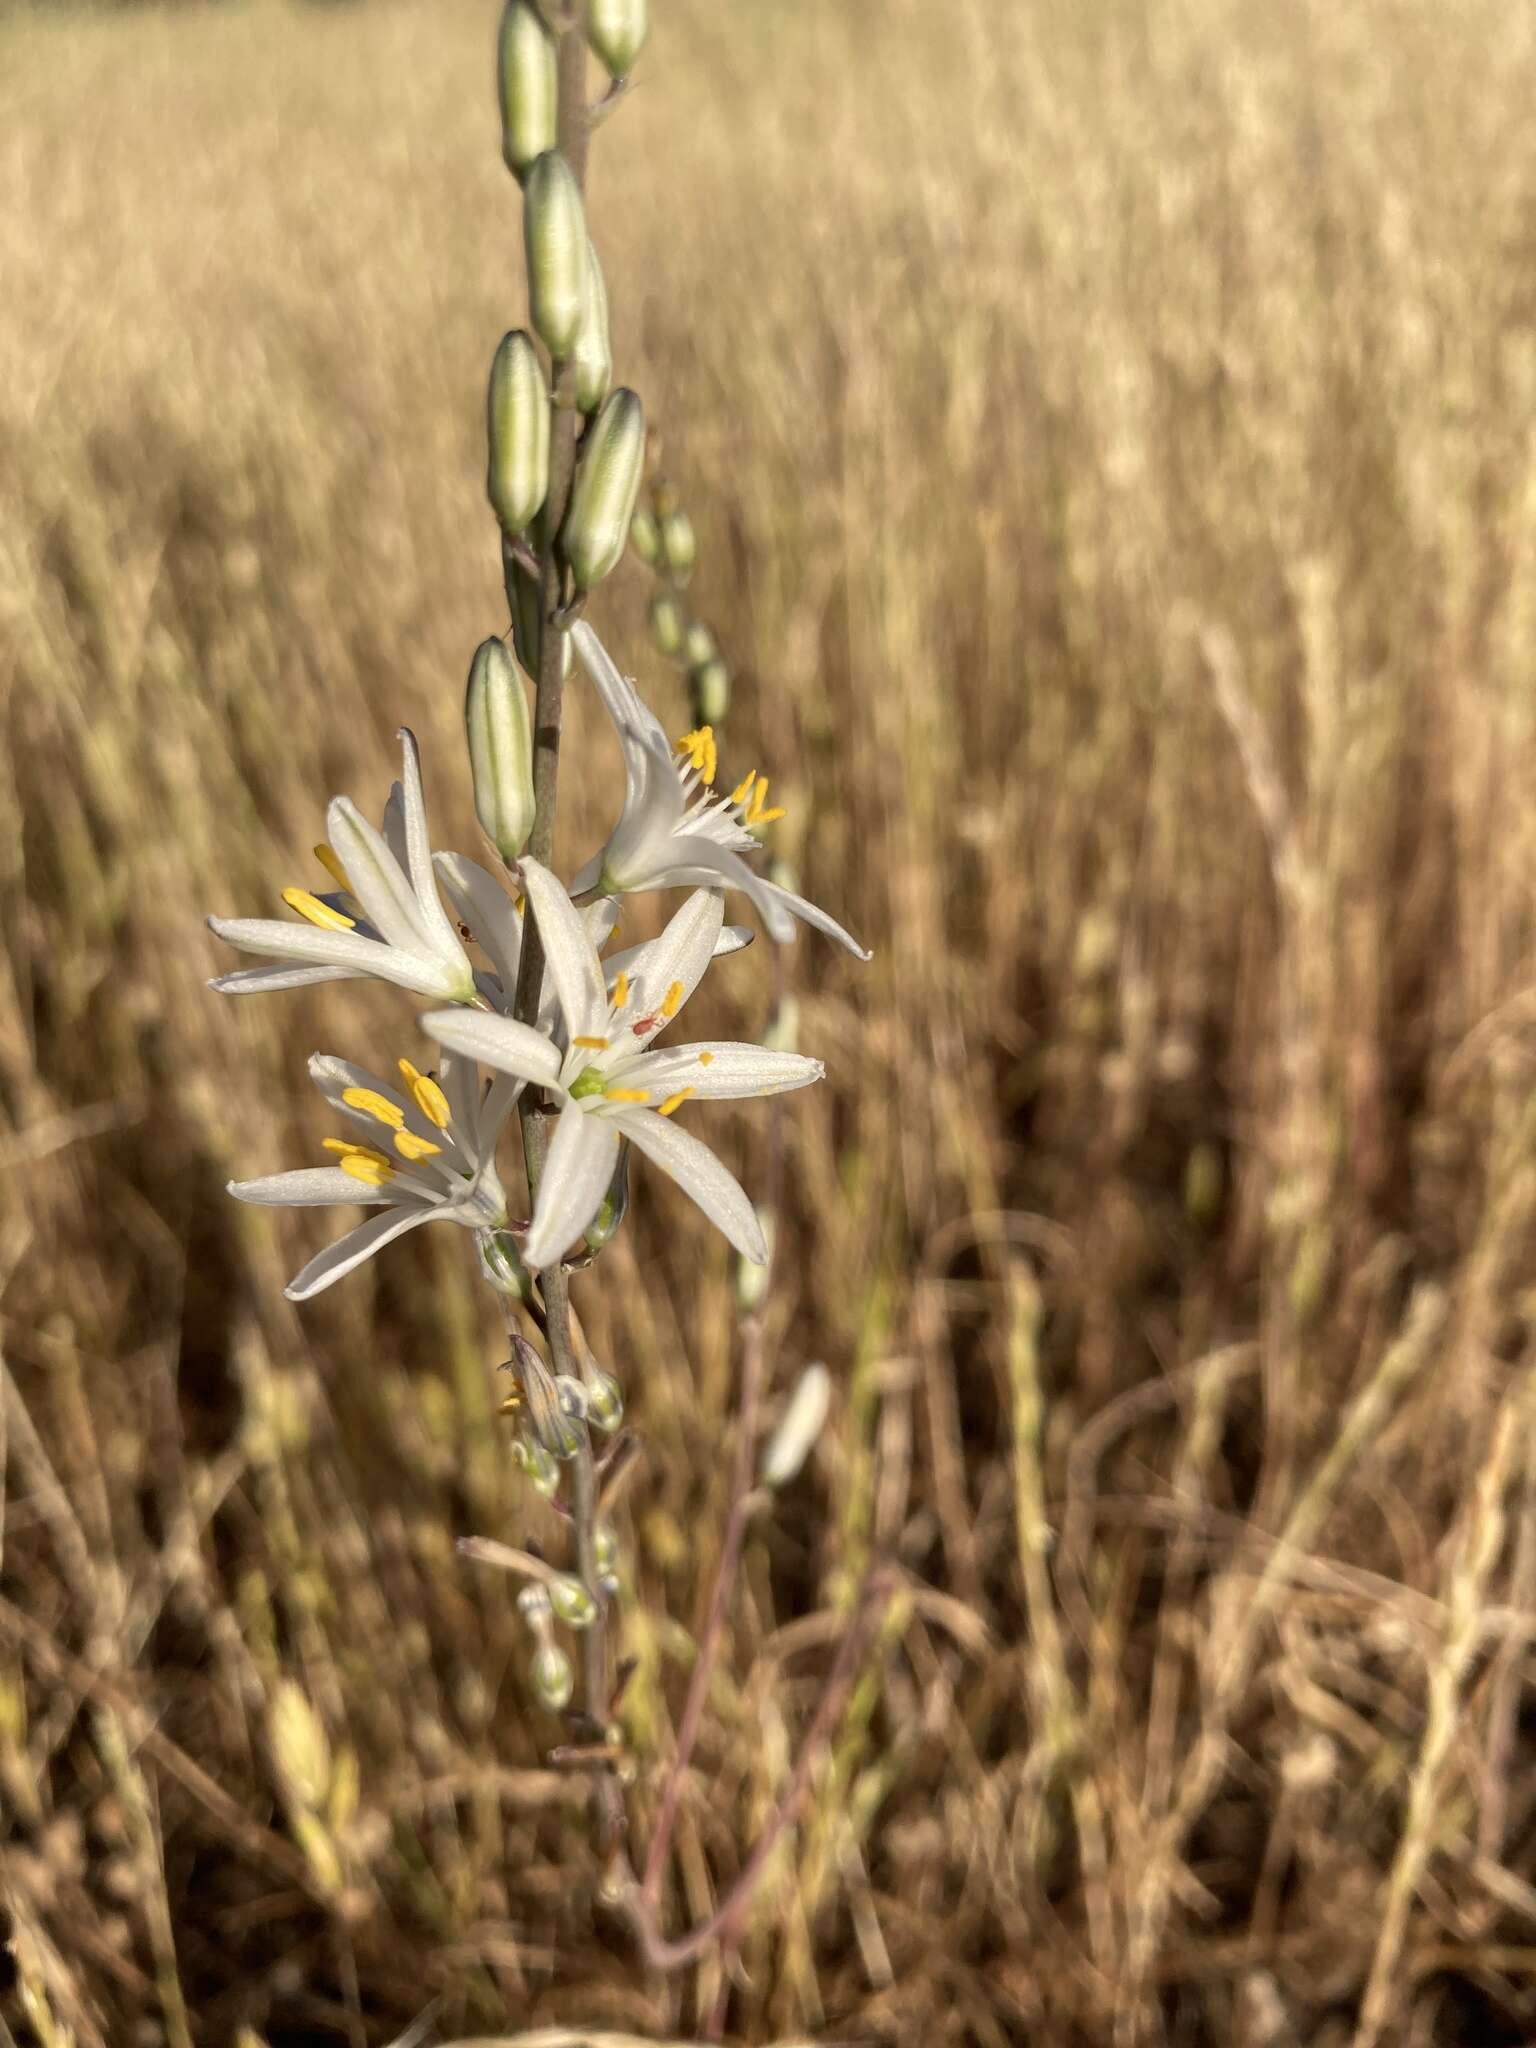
<point x="317" y="912"/>
<point x="626" y="1095"/>
<point x="621" y="990"/>
<point x="373" y="1104"/>
<point x="371" y="1170"/>
<point x="592" y="1044"/>
<point x="675" y="1101"/>
<point x="705" y="1058"/>
<point x="673" y="1002"/>
<point x="326" y="855"/>
<point x="409" y="1146"/>
<point x="743" y="790"/>
<point x="426" y="1095"/>
<point x="759" y="813"/>
<point x="702" y="753"/>
<point x="347" y="1150"/>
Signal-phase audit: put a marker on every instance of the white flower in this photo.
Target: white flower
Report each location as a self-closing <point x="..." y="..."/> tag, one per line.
<point x="430" y="1157"/>
<point x="607" y="1082"/>
<point x="386" y="921"/>
<point x="673" y="831"/>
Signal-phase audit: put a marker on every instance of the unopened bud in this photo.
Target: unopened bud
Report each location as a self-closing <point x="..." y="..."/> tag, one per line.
<point x="616" y="29"/>
<point x="551" y="1676"/>
<point x="572" y="1603"/>
<point x="752" y="1280"/>
<point x="528" y="80"/>
<point x="783" y="1032"/>
<point x="592" y="357"/>
<point x="605" y="1403"/>
<point x="614" y="1206"/>
<point x="711" y="684"/>
<point x="549" y="1420"/>
<point x="698" y="644"/>
<point x="605" y="1546"/>
<point x="555" y="244"/>
<point x="572" y="1397"/>
<point x="543" y="1473"/>
<point x="803" y="1422"/>
<point x="502" y="1264"/>
<point x="603" y="494"/>
<point x="500" y="756"/>
<point x="643" y="536"/>
<point x="299" y="1745"/>
<point x="666" y="619"/>
<point x="677" y="542"/>
<point x="533" y="1604"/>
<point x="517" y="433"/>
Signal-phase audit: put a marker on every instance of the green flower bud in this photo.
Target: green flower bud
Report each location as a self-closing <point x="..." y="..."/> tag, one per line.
<point x="605" y="1404"/>
<point x="605" y="1545"/>
<point x="527" y="623"/>
<point x="572" y="1603"/>
<point x="711" y="682"/>
<point x="644" y="538"/>
<point x="500" y="752"/>
<point x="604" y="492"/>
<point x="802" y="1424"/>
<point x="698" y="644"/>
<point x="550" y="1673"/>
<point x="502" y="1264"/>
<point x="517" y="433"/>
<point x="529" y="86"/>
<point x="752" y="1281"/>
<point x="616" y="29"/>
<point x="533" y="1604"/>
<point x="549" y="1420"/>
<point x="614" y="1205"/>
<point x="592" y="357"/>
<point x="677" y="543"/>
<point x="666" y="619"/>
<point x="555" y="244"/>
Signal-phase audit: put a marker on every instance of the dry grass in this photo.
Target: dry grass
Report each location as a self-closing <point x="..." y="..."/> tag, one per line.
<point x="1110" y="434"/>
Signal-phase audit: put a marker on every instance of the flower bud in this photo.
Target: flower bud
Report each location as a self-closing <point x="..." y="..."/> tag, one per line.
<point x="501" y="765"/>
<point x="698" y="644"/>
<point x="677" y="543"/>
<point x="572" y="1603"/>
<point x="592" y="356"/>
<point x="802" y="1423"/>
<point x="605" y="1403"/>
<point x="605" y="1547"/>
<point x="543" y="1473"/>
<point x="643" y="536"/>
<point x="614" y="1206"/>
<point x="572" y="1397"/>
<point x="603" y="494"/>
<point x="533" y="1604"/>
<point x="752" y="1281"/>
<point x="666" y="619"/>
<point x="555" y="243"/>
<point x="711" y="683"/>
<point x="616" y="29"/>
<point x="529" y="86"/>
<point x="517" y="433"/>
<point x="527" y="623"/>
<point x="551" y="1676"/>
<point x="549" y="1420"/>
<point x="783" y="1032"/>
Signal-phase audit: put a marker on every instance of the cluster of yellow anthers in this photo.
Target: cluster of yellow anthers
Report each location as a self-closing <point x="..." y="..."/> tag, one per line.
<point x="309" y="905"/>
<point x="750" y="796"/>
<point x="365" y="1162"/>
<point x="671" y="1003"/>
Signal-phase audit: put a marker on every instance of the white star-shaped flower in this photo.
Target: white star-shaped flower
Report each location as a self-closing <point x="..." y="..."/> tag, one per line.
<point x="609" y="1084"/>
<point x="386" y="920"/>
<point x="428" y="1156"/>
<point x="674" y="832"/>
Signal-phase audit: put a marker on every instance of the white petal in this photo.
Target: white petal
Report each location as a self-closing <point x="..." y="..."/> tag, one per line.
<point x="334" y="1076"/>
<point x="577" y="1170"/>
<point x="418" y="853"/>
<point x="489" y="912"/>
<point x="308" y="1187"/>
<point x="496" y="1107"/>
<point x="699" y="1174"/>
<point x="621" y="700"/>
<point x="316" y="947"/>
<point x="378" y="881"/>
<point x="734" y="938"/>
<point x="718" y="1071"/>
<point x="675" y="960"/>
<point x="498" y="1042"/>
<point x="570" y="956"/>
<point x="260" y="981"/>
<point x="347" y="1252"/>
<point x="693" y="858"/>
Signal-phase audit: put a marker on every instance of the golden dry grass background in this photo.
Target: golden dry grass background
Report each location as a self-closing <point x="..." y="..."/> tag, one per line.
<point x="1110" y="433"/>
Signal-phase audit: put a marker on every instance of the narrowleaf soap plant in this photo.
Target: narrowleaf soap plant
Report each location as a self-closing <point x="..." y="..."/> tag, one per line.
<point x="526" y="1001"/>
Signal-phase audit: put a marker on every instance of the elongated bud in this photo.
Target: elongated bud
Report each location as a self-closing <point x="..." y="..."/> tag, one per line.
<point x="698" y="644"/>
<point x="604" y="492"/>
<point x="804" y="1418"/>
<point x="572" y="1603"/>
<point x="517" y="433"/>
<point x="752" y="1280"/>
<point x="666" y="619"/>
<point x="529" y="86"/>
<point x="555" y="243"/>
<point x="677" y="543"/>
<point x="543" y="1472"/>
<point x="711" y="683"/>
<point x="605" y="1403"/>
<point x="616" y="29"/>
<point x="528" y="626"/>
<point x="592" y="356"/>
<point x="614" y="1206"/>
<point x="549" y="1422"/>
<point x="500" y="750"/>
<point x="551" y="1676"/>
<point x="644" y="538"/>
